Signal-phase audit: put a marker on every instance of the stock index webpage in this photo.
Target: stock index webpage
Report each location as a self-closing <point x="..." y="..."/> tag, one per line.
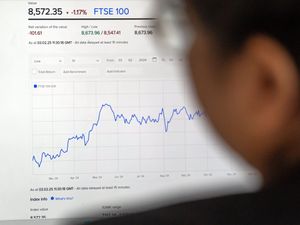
<point x="96" y="119"/>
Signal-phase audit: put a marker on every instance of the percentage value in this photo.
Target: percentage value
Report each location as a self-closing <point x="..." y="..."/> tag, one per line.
<point x="79" y="12"/>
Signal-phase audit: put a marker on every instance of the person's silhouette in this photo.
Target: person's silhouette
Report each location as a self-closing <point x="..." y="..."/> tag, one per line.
<point x="245" y="62"/>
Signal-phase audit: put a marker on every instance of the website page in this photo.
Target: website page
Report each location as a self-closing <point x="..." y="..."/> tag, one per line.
<point x="98" y="120"/>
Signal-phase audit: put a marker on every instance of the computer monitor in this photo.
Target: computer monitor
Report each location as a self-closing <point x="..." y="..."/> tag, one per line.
<point x="97" y="119"/>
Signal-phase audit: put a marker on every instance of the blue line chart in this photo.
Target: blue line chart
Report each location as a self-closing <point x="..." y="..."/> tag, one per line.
<point x="143" y="120"/>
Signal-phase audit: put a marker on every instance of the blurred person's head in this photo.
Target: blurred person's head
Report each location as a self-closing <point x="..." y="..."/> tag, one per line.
<point x="245" y="62"/>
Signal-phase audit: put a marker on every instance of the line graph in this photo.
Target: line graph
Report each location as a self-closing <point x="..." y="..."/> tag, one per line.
<point x="161" y="118"/>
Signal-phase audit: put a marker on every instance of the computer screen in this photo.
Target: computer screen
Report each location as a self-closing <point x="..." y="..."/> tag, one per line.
<point x="97" y="119"/>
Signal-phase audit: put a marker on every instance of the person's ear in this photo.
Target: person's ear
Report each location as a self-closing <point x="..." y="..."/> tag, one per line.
<point x="272" y="89"/>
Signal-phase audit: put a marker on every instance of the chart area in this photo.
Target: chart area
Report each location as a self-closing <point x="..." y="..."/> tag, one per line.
<point x="116" y="126"/>
<point x="99" y="119"/>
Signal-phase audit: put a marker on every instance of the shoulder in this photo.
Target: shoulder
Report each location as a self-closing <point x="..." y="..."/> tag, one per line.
<point x="277" y="205"/>
<point x="192" y="213"/>
<point x="272" y="206"/>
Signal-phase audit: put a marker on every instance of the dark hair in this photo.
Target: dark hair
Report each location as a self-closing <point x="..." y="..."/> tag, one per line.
<point x="233" y="21"/>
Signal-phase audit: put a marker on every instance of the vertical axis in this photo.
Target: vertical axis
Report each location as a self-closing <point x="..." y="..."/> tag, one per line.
<point x="32" y="119"/>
